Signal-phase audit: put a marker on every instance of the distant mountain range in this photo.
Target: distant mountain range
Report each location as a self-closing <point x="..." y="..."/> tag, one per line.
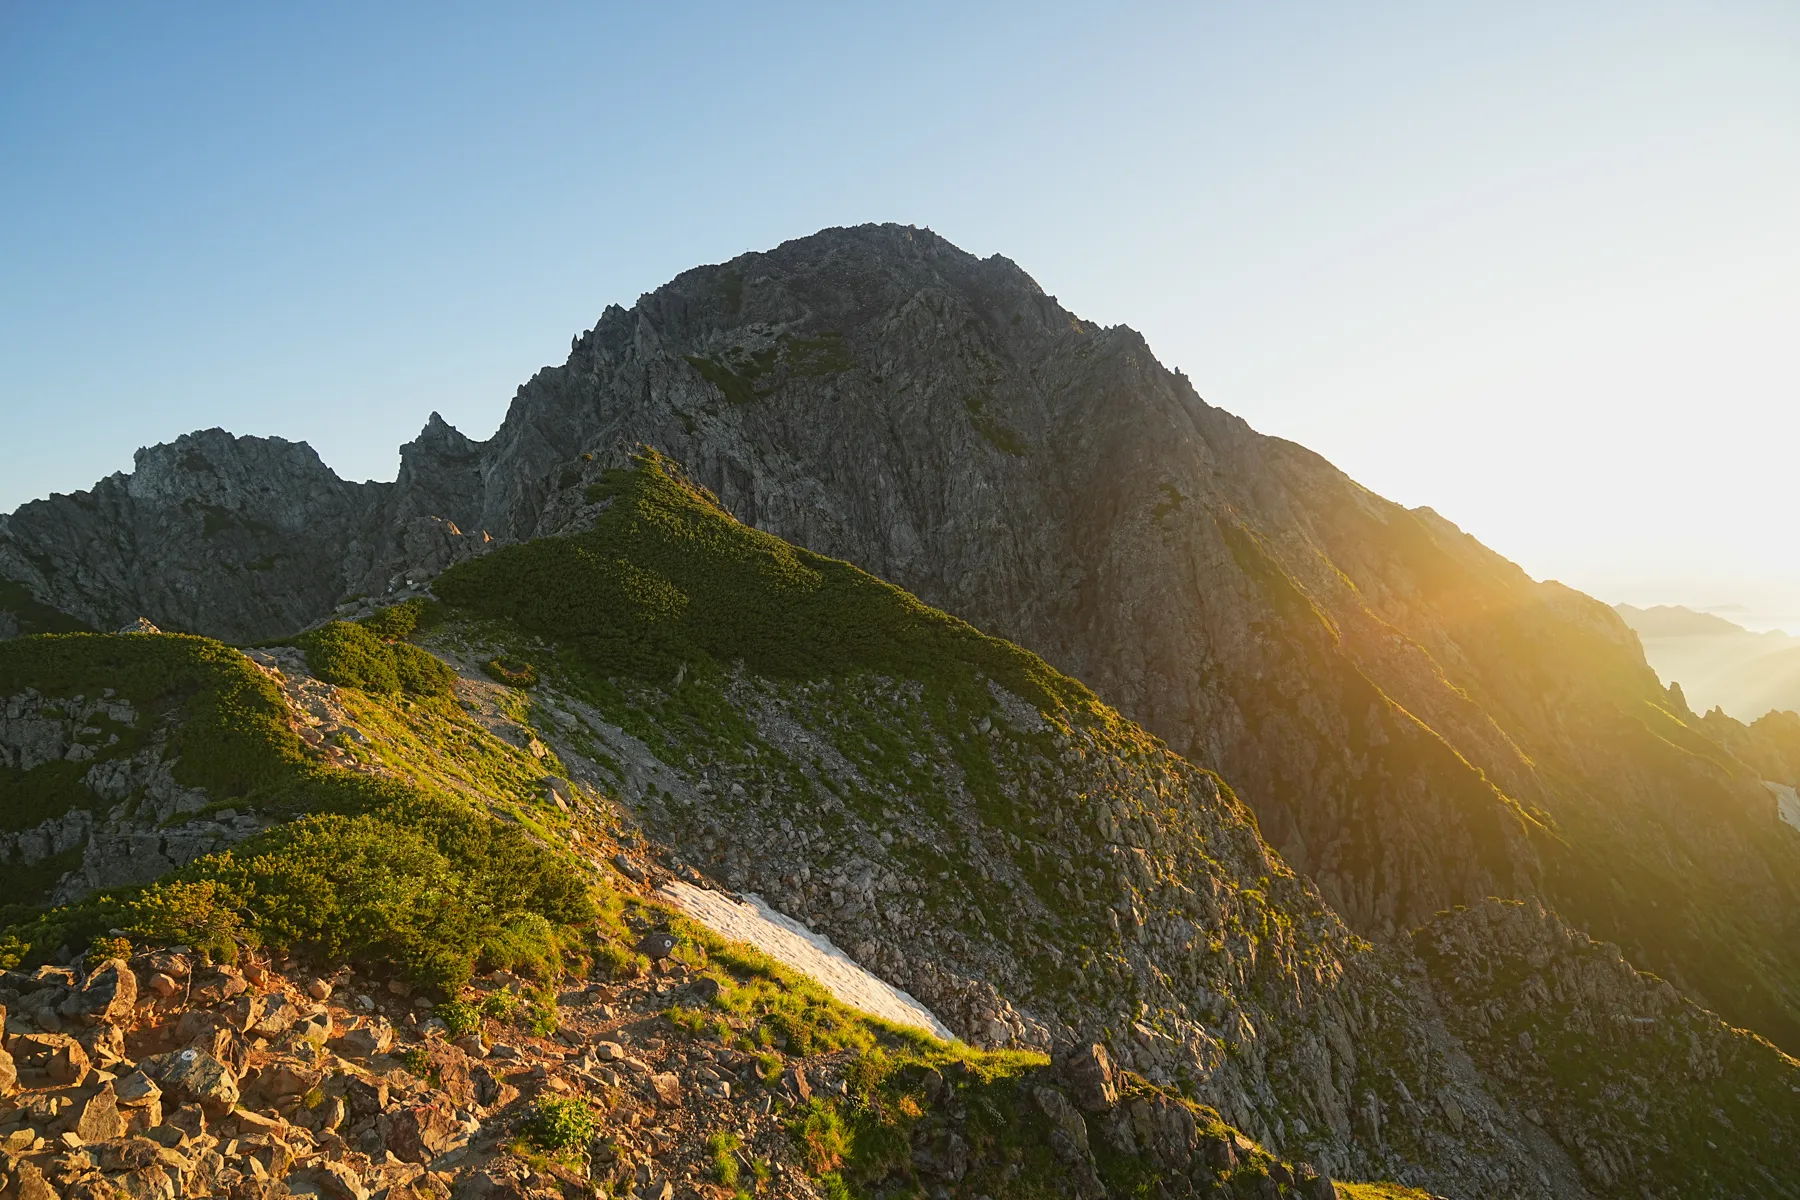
<point x="1717" y="663"/>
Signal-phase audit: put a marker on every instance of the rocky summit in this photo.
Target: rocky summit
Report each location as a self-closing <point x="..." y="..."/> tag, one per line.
<point x="1292" y="842"/>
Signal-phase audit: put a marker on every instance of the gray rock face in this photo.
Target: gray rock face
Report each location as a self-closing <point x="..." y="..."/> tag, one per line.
<point x="241" y="538"/>
<point x="1416" y="722"/>
<point x="124" y="817"/>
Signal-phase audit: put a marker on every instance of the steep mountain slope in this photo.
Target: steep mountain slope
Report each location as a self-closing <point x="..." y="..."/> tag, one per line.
<point x="1416" y="722"/>
<point x="969" y="823"/>
<point x="249" y="1060"/>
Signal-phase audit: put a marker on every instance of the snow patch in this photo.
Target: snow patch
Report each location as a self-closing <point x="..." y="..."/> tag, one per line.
<point x="792" y="944"/>
<point x="1787" y="802"/>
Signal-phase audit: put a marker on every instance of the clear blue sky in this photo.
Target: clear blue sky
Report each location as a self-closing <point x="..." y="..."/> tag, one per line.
<point x="1536" y="265"/>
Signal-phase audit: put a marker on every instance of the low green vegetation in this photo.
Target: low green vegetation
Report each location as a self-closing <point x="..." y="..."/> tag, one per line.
<point x="666" y="583"/>
<point x="561" y="1125"/>
<point x="721" y="1150"/>
<point x="356" y="654"/>
<point x="369" y="867"/>
<point x="427" y="883"/>
<point x="511" y="671"/>
<point x="228" y="730"/>
<point x="744" y="376"/>
<point x="459" y="1017"/>
<point x="230" y="733"/>
<point x="397" y="622"/>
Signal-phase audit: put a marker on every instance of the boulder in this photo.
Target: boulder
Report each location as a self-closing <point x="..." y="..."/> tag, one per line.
<point x="108" y="994"/>
<point x="374" y="1036"/>
<point x="656" y="945"/>
<point x="1312" y="1184"/>
<point x="29" y="1184"/>
<point x="100" y="1119"/>
<point x="418" y="1133"/>
<point x="243" y="1012"/>
<point x="103" y="1042"/>
<point x="57" y="1056"/>
<point x="219" y="982"/>
<point x="190" y="1119"/>
<point x="136" y="1088"/>
<point x="448" y="1067"/>
<point x="195" y="1076"/>
<point x="1092" y="1080"/>
<point x="278" y="1014"/>
<point x="1165" y="1128"/>
<point x="1068" y="1132"/>
<point x="285" y="1078"/>
<point x="1453" y="1111"/>
<point x="1069" y="1141"/>
<point x="315" y="1027"/>
<point x="195" y="1024"/>
<point x="367" y="1095"/>
<point x="340" y="1181"/>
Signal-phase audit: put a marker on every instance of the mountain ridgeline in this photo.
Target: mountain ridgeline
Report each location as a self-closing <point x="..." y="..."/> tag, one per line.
<point x="1254" y="861"/>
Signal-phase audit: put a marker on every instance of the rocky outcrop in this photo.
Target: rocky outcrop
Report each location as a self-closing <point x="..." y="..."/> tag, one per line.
<point x="120" y="818"/>
<point x="237" y="537"/>
<point x="1649" y="1094"/>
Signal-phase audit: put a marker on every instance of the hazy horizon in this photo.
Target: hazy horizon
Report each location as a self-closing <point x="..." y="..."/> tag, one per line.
<point x="1531" y="269"/>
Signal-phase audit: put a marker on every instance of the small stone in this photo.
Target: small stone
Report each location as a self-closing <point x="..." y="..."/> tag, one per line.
<point x="609" y="1051"/>
<point x="1453" y="1113"/>
<point x="319" y="990"/>
<point x="667" y="1087"/>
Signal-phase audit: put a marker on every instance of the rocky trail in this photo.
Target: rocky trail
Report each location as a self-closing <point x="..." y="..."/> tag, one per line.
<point x="162" y="1076"/>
